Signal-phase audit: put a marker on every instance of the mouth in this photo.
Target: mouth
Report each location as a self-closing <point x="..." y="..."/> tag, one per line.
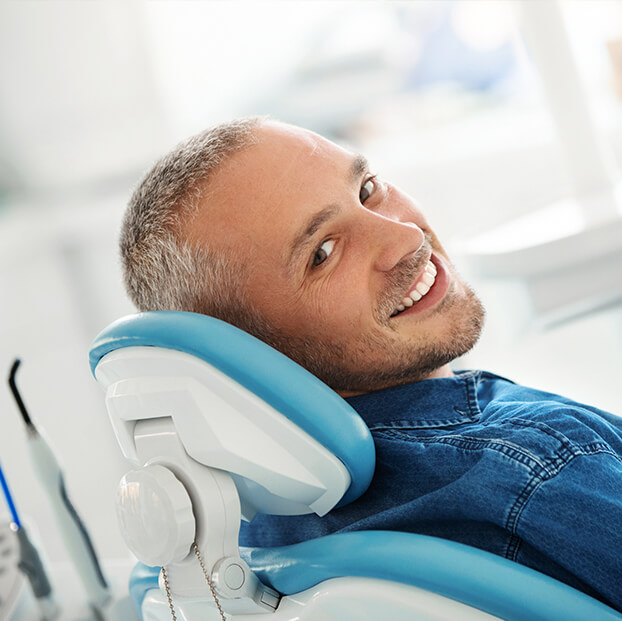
<point x="429" y="288"/>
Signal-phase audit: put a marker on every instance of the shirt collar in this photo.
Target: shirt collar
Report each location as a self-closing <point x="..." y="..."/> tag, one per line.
<point x="427" y="403"/>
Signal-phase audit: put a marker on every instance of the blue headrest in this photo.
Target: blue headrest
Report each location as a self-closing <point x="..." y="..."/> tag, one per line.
<point x="273" y="377"/>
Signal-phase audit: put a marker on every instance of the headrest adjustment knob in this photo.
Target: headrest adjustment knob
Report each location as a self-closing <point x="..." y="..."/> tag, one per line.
<point x="155" y="514"/>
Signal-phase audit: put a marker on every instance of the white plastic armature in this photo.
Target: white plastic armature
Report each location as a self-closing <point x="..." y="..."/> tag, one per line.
<point x="277" y="467"/>
<point x="155" y="514"/>
<point x="216" y="510"/>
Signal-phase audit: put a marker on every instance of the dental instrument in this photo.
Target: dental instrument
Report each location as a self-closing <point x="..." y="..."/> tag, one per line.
<point x="11" y="578"/>
<point x="29" y="560"/>
<point x="73" y="531"/>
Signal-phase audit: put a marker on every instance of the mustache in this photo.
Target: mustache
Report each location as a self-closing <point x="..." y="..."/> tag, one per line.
<point x="400" y="278"/>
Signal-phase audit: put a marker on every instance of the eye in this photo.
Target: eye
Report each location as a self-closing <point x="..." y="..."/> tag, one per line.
<point x="367" y="189"/>
<point x="323" y="252"/>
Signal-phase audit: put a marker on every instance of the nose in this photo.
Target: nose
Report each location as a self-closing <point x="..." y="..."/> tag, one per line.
<point x="392" y="240"/>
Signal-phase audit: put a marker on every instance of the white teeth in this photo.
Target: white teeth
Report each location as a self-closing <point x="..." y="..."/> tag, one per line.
<point x="422" y="288"/>
<point x="428" y="279"/>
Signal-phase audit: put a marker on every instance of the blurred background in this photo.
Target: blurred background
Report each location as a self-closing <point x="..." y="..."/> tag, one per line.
<point x="476" y="108"/>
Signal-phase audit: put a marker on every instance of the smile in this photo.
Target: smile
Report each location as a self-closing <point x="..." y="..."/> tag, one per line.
<point x="422" y="287"/>
<point x="428" y="289"/>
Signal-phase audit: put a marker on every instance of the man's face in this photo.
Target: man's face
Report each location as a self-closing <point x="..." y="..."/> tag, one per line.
<point x="341" y="265"/>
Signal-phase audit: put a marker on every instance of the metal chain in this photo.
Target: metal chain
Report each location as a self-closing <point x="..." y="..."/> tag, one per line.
<point x="195" y="547"/>
<point x="168" y="594"/>
<point x="207" y="578"/>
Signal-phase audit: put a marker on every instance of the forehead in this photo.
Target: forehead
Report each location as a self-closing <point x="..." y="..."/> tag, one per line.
<point x="286" y="157"/>
<point x="267" y="190"/>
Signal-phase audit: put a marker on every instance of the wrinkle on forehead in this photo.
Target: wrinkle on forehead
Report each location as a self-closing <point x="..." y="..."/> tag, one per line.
<point x="298" y="144"/>
<point x="278" y="149"/>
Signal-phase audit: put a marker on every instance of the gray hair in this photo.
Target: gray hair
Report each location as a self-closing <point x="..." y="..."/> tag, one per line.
<point x="162" y="271"/>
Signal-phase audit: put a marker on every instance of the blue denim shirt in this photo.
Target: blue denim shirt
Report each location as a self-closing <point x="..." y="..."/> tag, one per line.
<point x="531" y="476"/>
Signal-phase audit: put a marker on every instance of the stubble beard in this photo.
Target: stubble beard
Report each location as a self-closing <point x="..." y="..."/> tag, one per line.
<point x="375" y="361"/>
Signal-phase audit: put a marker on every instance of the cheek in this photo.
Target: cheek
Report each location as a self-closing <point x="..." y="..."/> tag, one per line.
<point x="342" y="301"/>
<point x="321" y="302"/>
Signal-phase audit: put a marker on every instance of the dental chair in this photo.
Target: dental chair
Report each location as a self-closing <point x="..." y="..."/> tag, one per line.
<point x="218" y="427"/>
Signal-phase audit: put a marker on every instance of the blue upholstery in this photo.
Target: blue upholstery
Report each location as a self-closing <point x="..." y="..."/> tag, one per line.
<point x="474" y="577"/>
<point x="468" y="575"/>
<point x="279" y="381"/>
<point x="142" y="579"/>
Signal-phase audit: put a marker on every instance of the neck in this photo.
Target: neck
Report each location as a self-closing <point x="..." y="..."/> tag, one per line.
<point x="444" y="371"/>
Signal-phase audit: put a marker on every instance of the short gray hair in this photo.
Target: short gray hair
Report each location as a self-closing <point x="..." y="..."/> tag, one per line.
<point x="162" y="271"/>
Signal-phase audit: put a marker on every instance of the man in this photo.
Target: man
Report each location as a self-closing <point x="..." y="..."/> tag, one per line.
<point x="295" y="240"/>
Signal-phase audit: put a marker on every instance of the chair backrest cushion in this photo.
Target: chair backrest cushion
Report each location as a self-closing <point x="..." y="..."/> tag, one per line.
<point x="273" y="377"/>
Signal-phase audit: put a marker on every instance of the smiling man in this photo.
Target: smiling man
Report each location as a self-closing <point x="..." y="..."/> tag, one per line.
<point x="342" y="265"/>
<point x="296" y="240"/>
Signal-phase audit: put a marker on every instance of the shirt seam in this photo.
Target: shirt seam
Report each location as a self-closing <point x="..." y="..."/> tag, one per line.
<point x="468" y="443"/>
<point x="413" y="423"/>
<point x="559" y="463"/>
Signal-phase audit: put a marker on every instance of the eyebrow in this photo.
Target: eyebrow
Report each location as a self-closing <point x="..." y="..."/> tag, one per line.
<point x="358" y="166"/>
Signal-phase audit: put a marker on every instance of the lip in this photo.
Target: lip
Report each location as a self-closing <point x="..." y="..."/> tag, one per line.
<point x="434" y="295"/>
